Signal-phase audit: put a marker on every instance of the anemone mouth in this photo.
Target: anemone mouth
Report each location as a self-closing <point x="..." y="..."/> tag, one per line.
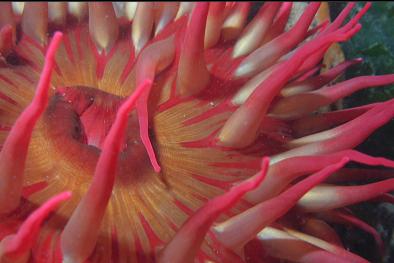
<point x="91" y="113"/>
<point x="87" y="108"/>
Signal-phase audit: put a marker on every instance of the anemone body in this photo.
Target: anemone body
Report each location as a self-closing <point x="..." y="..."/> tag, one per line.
<point x="156" y="117"/>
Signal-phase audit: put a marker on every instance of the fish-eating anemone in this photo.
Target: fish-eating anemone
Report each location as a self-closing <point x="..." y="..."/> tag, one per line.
<point x="183" y="131"/>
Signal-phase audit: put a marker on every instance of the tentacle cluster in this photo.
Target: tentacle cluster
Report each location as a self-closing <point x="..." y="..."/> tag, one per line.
<point x="212" y="94"/>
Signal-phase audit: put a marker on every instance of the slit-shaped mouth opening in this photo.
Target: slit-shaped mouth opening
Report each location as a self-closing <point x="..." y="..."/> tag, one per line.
<point x="86" y="114"/>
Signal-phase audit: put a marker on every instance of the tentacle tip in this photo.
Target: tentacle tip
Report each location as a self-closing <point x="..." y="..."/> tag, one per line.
<point x="157" y="168"/>
<point x="7" y="27"/>
<point x="358" y="60"/>
<point x="263" y="172"/>
<point x="57" y="37"/>
<point x="153" y="160"/>
<point x="355" y="30"/>
<point x="67" y="195"/>
<point x="7" y="30"/>
<point x="265" y="162"/>
<point x="147" y="82"/>
<point x="57" y="34"/>
<point x="344" y="160"/>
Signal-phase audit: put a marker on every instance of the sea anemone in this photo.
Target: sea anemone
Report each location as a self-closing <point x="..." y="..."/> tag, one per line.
<point x="185" y="132"/>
